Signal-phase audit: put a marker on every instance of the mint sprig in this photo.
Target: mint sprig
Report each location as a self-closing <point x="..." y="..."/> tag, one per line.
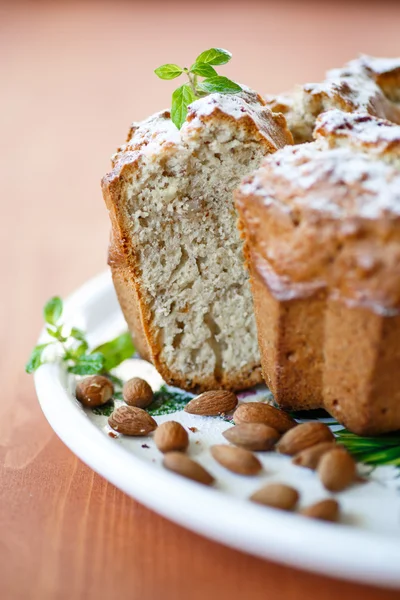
<point x="194" y="89"/>
<point x="73" y="348"/>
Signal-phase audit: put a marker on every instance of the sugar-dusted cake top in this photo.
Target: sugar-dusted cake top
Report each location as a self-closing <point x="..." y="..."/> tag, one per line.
<point x="158" y="132"/>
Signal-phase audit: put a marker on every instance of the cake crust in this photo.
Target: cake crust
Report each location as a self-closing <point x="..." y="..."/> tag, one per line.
<point x="322" y="229"/>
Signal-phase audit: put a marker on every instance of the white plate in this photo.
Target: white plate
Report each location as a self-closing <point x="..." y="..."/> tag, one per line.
<point x="365" y="547"/>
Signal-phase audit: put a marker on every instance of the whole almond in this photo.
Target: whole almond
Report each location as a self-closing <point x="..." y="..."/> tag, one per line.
<point x="213" y="403"/>
<point x="94" y="390"/>
<point x="276" y="495"/>
<point x="325" y="510"/>
<point x="131" y="420"/>
<point x="310" y="457"/>
<point x="237" y="460"/>
<point x="256" y="412"/>
<point x="137" y="392"/>
<point x="183" y="465"/>
<point x="170" y="436"/>
<point x="252" y="436"/>
<point x="303" y="436"/>
<point x="337" y="470"/>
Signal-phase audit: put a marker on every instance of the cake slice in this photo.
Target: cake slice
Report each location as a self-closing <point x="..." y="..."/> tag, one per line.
<point x="366" y="84"/>
<point x="322" y="226"/>
<point x="175" y="254"/>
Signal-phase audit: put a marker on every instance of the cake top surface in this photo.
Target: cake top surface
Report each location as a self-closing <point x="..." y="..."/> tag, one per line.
<point x="339" y="180"/>
<point x="156" y="133"/>
<point x="363" y="130"/>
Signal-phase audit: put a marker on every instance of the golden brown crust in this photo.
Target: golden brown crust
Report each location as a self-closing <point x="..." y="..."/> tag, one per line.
<point x="323" y="248"/>
<point x="124" y="261"/>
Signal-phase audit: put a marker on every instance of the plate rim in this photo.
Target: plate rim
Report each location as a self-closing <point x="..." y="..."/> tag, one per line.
<point x="369" y="558"/>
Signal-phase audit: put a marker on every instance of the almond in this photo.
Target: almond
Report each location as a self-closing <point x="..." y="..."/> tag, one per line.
<point x="183" y="465"/>
<point x="310" y="457"/>
<point x="237" y="460"/>
<point x="337" y="470"/>
<point x="171" y="436"/>
<point x="94" y="390"/>
<point x="210" y="404"/>
<point x="137" y="392"/>
<point x="303" y="436"/>
<point x="252" y="436"/>
<point x="325" y="510"/>
<point x="276" y="495"/>
<point x="256" y="412"/>
<point x="131" y="420"/>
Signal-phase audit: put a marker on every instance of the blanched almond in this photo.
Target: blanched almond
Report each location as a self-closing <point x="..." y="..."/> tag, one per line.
<point x="325" y="510"/>
<point x="257" y="412"/>
<point x="252" y="436"/>
<point x="183" y="465"/>
<point x="310" y="457"/>
<point x="170" y="436"/>
<point x="131" y="420"/>
<point x="212" y="404"/>
<point x="276" y="495"/>
<point x="237" y="460"/>
<point x="337" y="470"/>
<point x="303" y="436"/>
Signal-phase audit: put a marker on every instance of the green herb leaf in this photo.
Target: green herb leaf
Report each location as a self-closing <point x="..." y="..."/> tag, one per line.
<point x="166" y="401"/>
<point x="79" y="351"/>
<point x="116" y="351"/>
<point x="168" y="71"/>
<point x="89" y="364"/>
<point x="54" y="333"/>
<point x="53" y="310"/>
<point x="203" y="69"/>
<point x="219" y="84"/>
<point x="78" y="334"/>
<point x="35" y="359"/>
<point x="106" y="409"/>
<point x="181" y="98"/>
<point x="214" y="56"/>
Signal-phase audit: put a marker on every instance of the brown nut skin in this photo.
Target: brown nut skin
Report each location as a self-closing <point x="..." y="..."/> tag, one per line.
<point x="337" y="470"/>
<point x="310" y="457"/>
<point x="171" y="436"/>
<point x="186" y="467"/>
<point x="276" y="495"/>
<point x="257" y="412"/>
<point x="237" y="460"/>
<point x="252" y="436"/>
<point x="304" y="436"/>
<point x="212" y="403"/>
<point x="94" y="390"/>
<point x="131" y="420"/>
<point x="325" y="510"/>
<point x="137" y="392"/>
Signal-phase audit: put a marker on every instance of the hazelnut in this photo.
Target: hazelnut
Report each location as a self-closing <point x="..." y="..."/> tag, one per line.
<point x="137" y="392"/>
<point x="94" y="390"/>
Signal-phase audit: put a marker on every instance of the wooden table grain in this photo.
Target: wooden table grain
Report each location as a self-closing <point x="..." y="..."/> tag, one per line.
<point x="73" y="76"/>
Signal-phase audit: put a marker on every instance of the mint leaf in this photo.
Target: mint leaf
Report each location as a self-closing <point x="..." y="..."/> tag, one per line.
<point x="203" y="69"/>
<point x="89" y="364"/>
<point x="53" y="310"/>
<point x="54" y="334"/>
<point x="219" y="84"/>
<point x="78" y="334"/>
<point x="168" y="71"/>
<point x="35" y="359"/>
<point x="181" y="98"/>
<point x="105" y="409"/>
<point x="116" y="351"/>
<point x="214" y="56"/>
<point x="79" y="351"/>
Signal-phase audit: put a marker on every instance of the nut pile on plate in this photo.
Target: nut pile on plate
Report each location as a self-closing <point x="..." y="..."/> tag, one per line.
<point x="257" y="427"/>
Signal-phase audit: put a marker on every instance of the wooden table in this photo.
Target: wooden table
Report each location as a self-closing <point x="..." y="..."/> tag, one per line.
<point x="73" y="76"/>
